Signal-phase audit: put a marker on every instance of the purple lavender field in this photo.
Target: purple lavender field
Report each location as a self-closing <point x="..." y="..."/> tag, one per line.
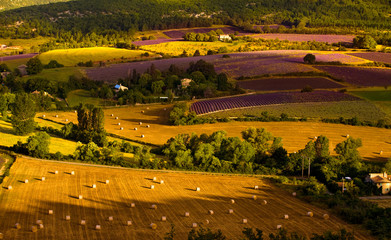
<point x="208" y="106"/>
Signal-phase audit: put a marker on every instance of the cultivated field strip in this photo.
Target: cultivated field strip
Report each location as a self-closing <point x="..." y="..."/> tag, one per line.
<point x="28" y="202"/>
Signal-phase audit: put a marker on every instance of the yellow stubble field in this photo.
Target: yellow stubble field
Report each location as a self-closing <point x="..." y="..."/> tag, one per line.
<point x="28" y="202"/>
<point x="295" y="135"/>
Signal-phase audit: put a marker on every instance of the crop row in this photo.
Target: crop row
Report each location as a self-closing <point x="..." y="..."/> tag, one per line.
<point x="203" y="107"/>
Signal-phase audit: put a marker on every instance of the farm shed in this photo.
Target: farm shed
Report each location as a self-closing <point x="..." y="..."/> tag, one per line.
<point x="119" y="87"/>
<point x="381" y="180"/>
<point x="224" y="37"/>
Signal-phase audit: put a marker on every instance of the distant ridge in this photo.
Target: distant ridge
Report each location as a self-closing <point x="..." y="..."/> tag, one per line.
<point x="12" y="4"/>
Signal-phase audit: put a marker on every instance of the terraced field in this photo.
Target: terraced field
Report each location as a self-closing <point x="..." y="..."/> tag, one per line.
<point x="28" y="202"/>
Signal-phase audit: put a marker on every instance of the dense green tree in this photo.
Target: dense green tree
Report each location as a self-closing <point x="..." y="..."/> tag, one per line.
<point x="205" y="234"/>
<point x="259" y="138"/>
<point x="4" y="68"/>
<point x="34" y="66"/>
<point x="366" y="42"/>
<point x="23" y="112"/>
<point x="309" y="58"/>
<point x="157" y="87"/>
<point x="322" y="148"/>
<point x="38" y="145"/>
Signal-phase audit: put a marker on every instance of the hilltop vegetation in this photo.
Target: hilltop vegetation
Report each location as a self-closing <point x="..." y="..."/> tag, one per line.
<point x="126" y="16"/>
<point x="7" y="4"/>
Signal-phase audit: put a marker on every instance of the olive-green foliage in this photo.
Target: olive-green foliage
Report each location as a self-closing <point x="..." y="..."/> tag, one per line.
<point x="205" y="234"/>
<point x="309" y="58"/>
<point x="23" y="113"/>
<point x="38" y="145"/>
<point x="366" y="42"/>
<point x="34" y="66"/>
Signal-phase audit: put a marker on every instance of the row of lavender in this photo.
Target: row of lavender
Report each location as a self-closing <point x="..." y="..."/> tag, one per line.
<point x="208" y="106"/>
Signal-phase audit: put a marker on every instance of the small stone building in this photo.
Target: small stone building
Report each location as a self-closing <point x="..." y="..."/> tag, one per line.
<point x="381" y="180"/>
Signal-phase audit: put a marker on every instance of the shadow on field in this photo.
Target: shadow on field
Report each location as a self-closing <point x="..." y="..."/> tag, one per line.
<point x="87" y="186"/>
<point x="191" y="189"/>
<point x="103" y="182"/>
<point x="375" y="159"/>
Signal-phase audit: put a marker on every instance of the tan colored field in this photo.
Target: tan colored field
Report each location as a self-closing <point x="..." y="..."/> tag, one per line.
<point x="28" y="202"/>
<point x="294" y="134"/>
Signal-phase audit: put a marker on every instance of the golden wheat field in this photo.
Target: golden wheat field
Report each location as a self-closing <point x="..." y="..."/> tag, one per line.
<point x="28" y="202"/>
<point x="295" y="135"/>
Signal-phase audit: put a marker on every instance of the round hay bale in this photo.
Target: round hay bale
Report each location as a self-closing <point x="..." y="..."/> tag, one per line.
<point x="164" y="218"/>
<point x="119" y="124"/>
<point x="194" y="225"/>
<point x="56" y="172"/>
<point x="230" y="211"/>
<point x="66" y="120"/>
<point x="93" y="185"/>
<point x="73" y="173"/>
<point x="39" y="222"/>
<point x="97" y="227"/>
<point x="254" y="197"/>
<point x="140" y="123"/>
<point x="187" y="214"/>
<point x="80" y="196"/>
<point x="153" y="226"/>
<point x="147" y="108"/>
<point x="142" y="136"/>
<point x="121" y="128"/>
<point x="264" y="202"/>
<point x="154" y="178"/>
<point x="161" y="181"/>
<point x="381" y="152"/>
<point x="347" y="135"/>
<point x="1" y="236"/>
<point x="56" y="116"/>
<point x="40" y="226"/>
<point x="206" y="221"/>
<point x="315" y="137"/>
<point x="50" y="212"/>
<point x="142" y="111"/>
<point x="43" y="179"/>
<point x="110" y="218"/>
<point x="294" y="194"/>
<point x="286" y="216"/>
<point x="256" y="187"/>
<point x="129" y="223"/>
<point x="107" y="181"/>
<point x="9" y="187"/>
<point x="135" y="129"/>
<point x="75" y="111"/>
<point x="148" y="126"/>
<point x="116" y="118"/>
<point x="244" y="220"/>
<point x="152" y="186"/>
<point x="232" y="201"/>
<point x="112" y="115"/>
<point x="83" y="222"/>
<point x="67" y="217"/>
<point x="326" y="216"/>
<point x="26" y="181"/>
<point x="198" y="189"/>
<point x="279" y="226"/>
<point x="153" y="206"/>
<point x="34" y="229"/>
<point x="210" y="212"/>
<point x="44" y="116"/>
<point x="18" y="226"/>
<point x="132" y="205"/>
<point x="310" y="214"/>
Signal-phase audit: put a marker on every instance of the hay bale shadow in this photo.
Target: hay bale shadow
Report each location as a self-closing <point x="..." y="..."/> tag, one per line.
<point x="75" y="197"/>
<point x="103" y="183"/>
<point x="191" y="189"/>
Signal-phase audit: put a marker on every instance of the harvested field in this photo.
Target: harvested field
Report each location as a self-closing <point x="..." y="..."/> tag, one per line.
<point x="156" y="41"/>
<point x="288" y="83"/>
<point x="26" y="203"/>
<point x="329" y="38"/>
<point x="181" y="32"/>
<point x="360" y="76"/>
<point x="295" y="135"/>
<point x="221" y="104"/>
<point x="374" y="56"/>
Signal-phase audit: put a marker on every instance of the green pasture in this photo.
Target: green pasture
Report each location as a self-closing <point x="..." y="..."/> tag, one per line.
<point x="25" y="43"/>
<point x="12" y="64"/>
<point x="83" y="96"/>
<point x="362" y="109"/>
<point x="70" y="57"/>
<point x="374" y="94"/>
<point x="57" y="74"/>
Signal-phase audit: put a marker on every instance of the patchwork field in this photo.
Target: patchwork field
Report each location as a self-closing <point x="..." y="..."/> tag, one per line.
<point x="70" y="57"/>
<point x="295" y="135"/>
<point x="307" y="37"/>
<point x="374" y="56"/>
<point x="360" y="76"/>
<point x="28" y="202"/>
<point x="221" y="104"/>
<point x="289" y="83"/>
<point x="227" y="30"/>
<point x="239" y="64"/>
<point x="363" y="110"/>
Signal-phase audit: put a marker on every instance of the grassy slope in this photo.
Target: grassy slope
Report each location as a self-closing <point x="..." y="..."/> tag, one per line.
<point x="57" y="74"/>
<point x="70" y="57"/>
<point x="82" y="96"/>
<point x="380" y="96"/>
<point x="28" y="202"/>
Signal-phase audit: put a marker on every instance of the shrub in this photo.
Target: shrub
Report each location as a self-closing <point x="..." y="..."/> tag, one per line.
<point x="309" y="58"/>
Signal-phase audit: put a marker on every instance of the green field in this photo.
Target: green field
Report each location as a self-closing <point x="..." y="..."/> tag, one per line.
<point x="379" y="96"/>
<point x="83" y="96"/>
<point x="70" y="57"/>
<point x="362" y="109"/>
<point x="57" y="74"/>
<point x="8" y="139"/>
<point x="24" y="43"/>
<point x="12" y="64"/>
